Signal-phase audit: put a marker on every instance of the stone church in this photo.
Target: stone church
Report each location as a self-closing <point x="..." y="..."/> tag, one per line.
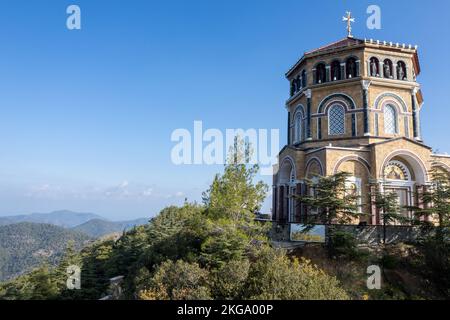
<point x="355" y="106"/>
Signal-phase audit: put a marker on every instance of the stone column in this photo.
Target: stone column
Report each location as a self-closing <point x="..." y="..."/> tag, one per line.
<point x="415" y="114"/>
<point x="314" y="73"/>
<point x="328" y="73"/>
<point x="365" y="87"/>
<point x="308" y="114"/>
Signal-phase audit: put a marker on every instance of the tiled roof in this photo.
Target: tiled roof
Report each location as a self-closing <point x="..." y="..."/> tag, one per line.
<point x="346" y="42"/>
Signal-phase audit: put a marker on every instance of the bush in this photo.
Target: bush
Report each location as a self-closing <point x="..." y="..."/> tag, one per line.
<point x="437" y="262"/>
<point x="178" y="281"/>
<point x="274" y="276"/>
<point x="344" y="245"/>
<point x="228" y="282"/>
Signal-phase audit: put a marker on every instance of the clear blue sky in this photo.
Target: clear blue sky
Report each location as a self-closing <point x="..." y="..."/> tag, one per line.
<point x="86" y="116"/>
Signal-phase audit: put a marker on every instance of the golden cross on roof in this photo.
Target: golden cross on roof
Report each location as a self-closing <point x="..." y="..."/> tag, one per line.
<point x="349" y="20"/>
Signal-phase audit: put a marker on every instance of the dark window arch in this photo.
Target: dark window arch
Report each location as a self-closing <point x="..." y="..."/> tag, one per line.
<point x="320" y="73"/>
<point x="350" y="68"/>
<point x="387" y="69"/>
<point x="303" y="78"/>
<point x="336" y="71"/>
<point x="298" y="83"/>
<point x="401" y="71"/>
<point x="374" y="66"/>
<point x="292" y="87"/>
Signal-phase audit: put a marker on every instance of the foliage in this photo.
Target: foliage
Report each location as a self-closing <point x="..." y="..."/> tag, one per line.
<point x="212" y="251"/>
<point x="234" y="195"/>
<point x="26" y="245"/>
<point x="332" y="199"/>
<point x="436" y="200"/>
<point x="436" y="263"/>
<point x="274" y="276"/>
<point x="344" y="245"/>
<point x="178" y="281"/>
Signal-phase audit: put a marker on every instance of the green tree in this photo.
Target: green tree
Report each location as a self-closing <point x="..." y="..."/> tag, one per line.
<point x="436" y="200"/>
<point x="234" y="194"/>
<point x="332" y="199"/>
<point x="387" y="204"/>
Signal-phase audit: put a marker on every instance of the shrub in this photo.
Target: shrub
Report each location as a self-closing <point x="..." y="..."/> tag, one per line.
<point x="274" y="276"/>
<point x="178" y="281"/>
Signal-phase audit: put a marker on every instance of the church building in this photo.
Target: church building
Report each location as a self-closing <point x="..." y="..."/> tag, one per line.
<point x="355" y="106"/>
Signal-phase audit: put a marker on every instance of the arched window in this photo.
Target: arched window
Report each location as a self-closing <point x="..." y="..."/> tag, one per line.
<point x="390" y="120"/>
<point x="320" y="73"/>
<point x="350" y="67"/>
<point x="374" y="67"/>
<point x="303" y="78"/>
<point x="299" y="84"/>
<point x="387" y="69"/>
<point x="336" y="70"/>
<point x="298" y="127"/>
<point x="401" y="71"/>
<point x="336" y="120"/>
<point x="292" y="87"/>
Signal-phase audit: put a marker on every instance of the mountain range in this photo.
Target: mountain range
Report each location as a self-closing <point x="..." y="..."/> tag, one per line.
<point x="89" y="223"/>
<point x="26" y="241"/>
<point x="26" y="245"/>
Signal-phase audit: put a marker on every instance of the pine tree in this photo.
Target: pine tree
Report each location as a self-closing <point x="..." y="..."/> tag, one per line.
<point x="388" y="206"/>
<point x="436" y="200"/>
<point x="332" y="199"/>
<point x="234" y="194"/>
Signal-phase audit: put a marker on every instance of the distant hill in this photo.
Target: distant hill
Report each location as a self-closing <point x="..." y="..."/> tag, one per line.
<point x="25" y="245"/>
<point x="98" y="227"/>
<point x="63" y="218"/>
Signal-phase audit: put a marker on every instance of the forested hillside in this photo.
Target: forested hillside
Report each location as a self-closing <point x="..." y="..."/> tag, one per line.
<point x="24" y="246"/>
<point x="98" y="227"/>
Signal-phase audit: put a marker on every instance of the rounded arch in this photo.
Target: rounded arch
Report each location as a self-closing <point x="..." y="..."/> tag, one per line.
<point x="298" y="124"/>
<point x="401" y="70"/>
<point x="388" y="70"/>
<point x="338" y="96"/>
<point x="310" y="162"/>
<point x="299" y="108"/>
<point x="287" y="172"/>
<point x="350" y="67"/>
<point x="304" y="80"/>
<point x="374" y="66"/>
<point x="441" y="165"/>
<point x="413" y="160"/>
<point x="320" y="71"/>
<point x="355" y="158"/>
<point x="390" y="112"/>
<point x="378" y="103"/>
<point x="335" y="70"/>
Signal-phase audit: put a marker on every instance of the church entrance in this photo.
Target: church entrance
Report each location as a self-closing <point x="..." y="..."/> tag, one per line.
<point x="404" y="199"/>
